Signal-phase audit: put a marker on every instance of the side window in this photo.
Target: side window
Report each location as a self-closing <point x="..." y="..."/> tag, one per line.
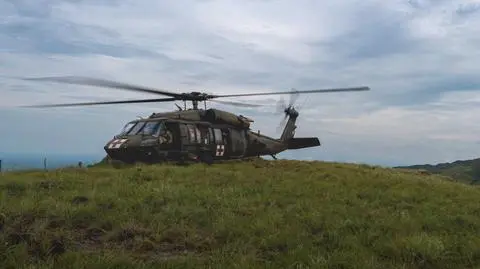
<point x="191" y="133"/>
<point x="204" y="134"/>
<point x="218" y="136"/>
<point x="225" y="135"/>
<point x="211" y="138"/>
<point x="150" y="128"/>
<point x="199" y="136"/>
<point x="194" y="134"/>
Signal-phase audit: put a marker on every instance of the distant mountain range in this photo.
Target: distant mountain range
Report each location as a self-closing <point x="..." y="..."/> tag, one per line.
<point x="21" y="161"/>
<point x="467" y="171"/>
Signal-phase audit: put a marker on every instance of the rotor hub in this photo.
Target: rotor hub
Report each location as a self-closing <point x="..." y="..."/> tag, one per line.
<point x="290" y="111"/>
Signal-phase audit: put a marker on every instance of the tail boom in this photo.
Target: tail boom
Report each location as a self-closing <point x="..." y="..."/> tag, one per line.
<point x="303" y="142"/>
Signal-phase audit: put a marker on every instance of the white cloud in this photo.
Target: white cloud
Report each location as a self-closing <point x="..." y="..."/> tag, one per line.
<point x="415" y="55"/>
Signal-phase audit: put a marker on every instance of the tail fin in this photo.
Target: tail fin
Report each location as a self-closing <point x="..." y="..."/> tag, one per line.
<point x="303" y="142"/>
<point x="289" y="133"/>
<point x="289" y="129"/>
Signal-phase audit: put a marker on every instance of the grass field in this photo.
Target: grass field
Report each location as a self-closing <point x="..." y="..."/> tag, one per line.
<point x="263" y="214"/>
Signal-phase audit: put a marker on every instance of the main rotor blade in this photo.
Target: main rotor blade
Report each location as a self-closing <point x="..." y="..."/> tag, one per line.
<point x="353" y="89"/>
<point x="107" y="102"/>
<point x="235" y="103"/>
<point x="103" y="83"/>
<point x="293" y="96"/>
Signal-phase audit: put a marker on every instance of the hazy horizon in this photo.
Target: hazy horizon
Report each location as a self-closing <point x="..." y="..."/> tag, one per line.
<point x="23" y="160"/>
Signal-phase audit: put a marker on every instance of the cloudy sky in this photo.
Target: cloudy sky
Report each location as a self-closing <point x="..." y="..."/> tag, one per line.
<point x="420" y="59"/>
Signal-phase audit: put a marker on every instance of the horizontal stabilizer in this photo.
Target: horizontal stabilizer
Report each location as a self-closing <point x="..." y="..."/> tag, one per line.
<point x="303" y="142"/>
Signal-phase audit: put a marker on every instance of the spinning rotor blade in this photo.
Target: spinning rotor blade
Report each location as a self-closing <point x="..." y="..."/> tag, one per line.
<point x="293" y="96"/>
<point x="235" y="103"/>
<point x="281" y="105"/>
<point x="104" y="83"/>
<point x="282" y="123"/>
<point x="296" y="92"/>
<point x="192" y="96"/>
<point x="107" y="102"/>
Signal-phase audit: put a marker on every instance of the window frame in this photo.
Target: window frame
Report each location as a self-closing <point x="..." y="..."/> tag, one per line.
<point x="192" y="133"/>
<point x="125" y="128"/>
<point x="139" y="123"/>
<point x="218" y="136"/>
<point x="156" y="129"/>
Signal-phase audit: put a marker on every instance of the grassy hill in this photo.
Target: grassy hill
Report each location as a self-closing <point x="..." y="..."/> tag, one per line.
<point x="462" y="171"/>
<point x="262" y="214"/>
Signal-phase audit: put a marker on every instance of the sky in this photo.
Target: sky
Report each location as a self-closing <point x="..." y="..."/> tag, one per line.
<point x="420" y="59"/>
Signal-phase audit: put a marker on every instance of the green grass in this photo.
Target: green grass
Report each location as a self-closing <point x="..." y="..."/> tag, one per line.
<point x="265" y="214"/>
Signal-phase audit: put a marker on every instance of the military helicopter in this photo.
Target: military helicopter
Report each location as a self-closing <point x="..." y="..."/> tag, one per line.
<point x="193" y="134"/>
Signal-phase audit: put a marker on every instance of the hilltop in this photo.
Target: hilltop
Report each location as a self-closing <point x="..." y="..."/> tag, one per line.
<point x="466" y="171"/>
<point x="278" y="214"/>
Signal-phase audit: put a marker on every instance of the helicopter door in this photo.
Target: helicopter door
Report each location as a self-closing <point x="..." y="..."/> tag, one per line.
<point x="206" y="138"/>
<point x="219" y="142"/>
<point x="184" y="134"/>
<point x="194" y="135"/>
<point x="238" y="142"/>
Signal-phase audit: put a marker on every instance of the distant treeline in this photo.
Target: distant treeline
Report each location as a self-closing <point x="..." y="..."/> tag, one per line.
<point x="467" y="171"/>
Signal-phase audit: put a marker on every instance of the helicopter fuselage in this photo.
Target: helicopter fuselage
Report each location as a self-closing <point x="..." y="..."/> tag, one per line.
<point x="165" y="139"/>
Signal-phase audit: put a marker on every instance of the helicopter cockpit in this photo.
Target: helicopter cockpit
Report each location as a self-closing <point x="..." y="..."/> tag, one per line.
<point x="156" y="128"/>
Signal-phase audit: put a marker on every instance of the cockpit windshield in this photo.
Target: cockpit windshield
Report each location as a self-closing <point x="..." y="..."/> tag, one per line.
<point x="126" y="128"/>
<point x="153" y="128"/>
<point x="137" y="128"/>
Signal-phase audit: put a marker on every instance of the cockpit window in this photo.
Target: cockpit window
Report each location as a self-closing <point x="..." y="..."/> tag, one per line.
<point x="126" y="128"/>
<point x="151" y="128"/>
<point x="138" y="126"/>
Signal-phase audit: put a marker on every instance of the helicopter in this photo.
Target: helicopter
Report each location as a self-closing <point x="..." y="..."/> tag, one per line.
<point x="193" y="134"/>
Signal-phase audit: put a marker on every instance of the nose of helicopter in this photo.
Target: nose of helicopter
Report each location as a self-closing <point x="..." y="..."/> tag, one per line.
<point x="117" y="143"/>
<point x="123" y="142"/>
<point x="127" y="148"/>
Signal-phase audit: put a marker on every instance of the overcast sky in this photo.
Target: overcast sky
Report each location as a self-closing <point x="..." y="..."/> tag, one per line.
<point x="420" y="58"/>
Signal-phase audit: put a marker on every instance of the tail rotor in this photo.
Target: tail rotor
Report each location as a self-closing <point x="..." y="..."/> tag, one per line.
<point x="289" y="109"/>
